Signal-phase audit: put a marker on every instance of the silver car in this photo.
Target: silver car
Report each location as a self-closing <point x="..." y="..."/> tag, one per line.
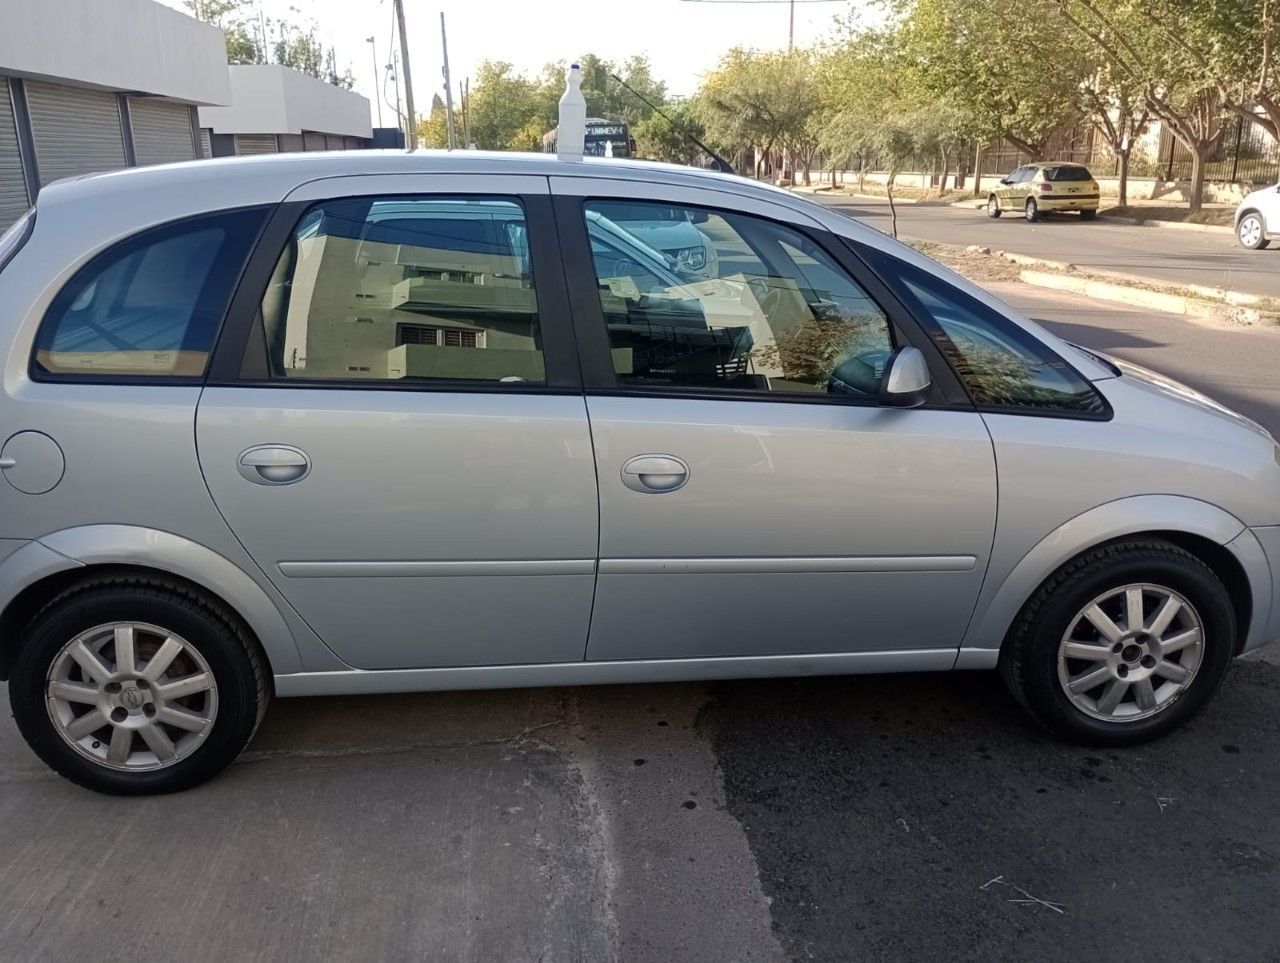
<point x="389" y="422"/>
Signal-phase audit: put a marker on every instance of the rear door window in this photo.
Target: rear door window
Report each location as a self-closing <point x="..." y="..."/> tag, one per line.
<point x="150" y="306"/>
<point x="406" y="289"/>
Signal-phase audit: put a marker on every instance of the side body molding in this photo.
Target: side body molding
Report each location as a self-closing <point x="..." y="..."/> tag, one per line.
<point x="1005" y="593"/>
<point x="132" y="545"/>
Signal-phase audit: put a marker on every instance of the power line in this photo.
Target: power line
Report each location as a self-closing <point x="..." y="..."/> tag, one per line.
<point x="748" y="2"/>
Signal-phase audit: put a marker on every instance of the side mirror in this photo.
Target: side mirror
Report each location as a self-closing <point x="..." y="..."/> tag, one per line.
<point x="905" y="382"/>
<point x="1005" y="181"/>
<point x="698" y="217"/>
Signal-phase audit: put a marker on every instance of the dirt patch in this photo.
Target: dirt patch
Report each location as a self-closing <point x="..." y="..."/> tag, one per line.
<point x="1218" y="216"/>
<point x="977" y="264"/>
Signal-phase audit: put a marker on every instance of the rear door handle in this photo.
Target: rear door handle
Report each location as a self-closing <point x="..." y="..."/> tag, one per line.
<point x="655" y="474"/>
<point x="273" y="464"/>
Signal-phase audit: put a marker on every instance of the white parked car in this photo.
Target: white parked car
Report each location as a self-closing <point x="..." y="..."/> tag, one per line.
<point x="1258" y="218"/>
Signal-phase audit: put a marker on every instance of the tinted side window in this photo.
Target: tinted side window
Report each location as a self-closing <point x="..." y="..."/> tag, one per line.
<point x="1003" y="367"/>
<point x="406" y="288"/>
<point x="151" y="305"/>
<point x="714" y="300"/>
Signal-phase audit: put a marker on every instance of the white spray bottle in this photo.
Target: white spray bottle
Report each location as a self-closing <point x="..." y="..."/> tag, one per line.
<point x="572" y="130"/>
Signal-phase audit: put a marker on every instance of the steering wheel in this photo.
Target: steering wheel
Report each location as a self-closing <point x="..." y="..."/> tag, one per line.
<point x="764" y="294"/>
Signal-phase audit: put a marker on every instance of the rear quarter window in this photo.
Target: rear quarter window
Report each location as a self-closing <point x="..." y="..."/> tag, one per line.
<point x="150" y="306"/>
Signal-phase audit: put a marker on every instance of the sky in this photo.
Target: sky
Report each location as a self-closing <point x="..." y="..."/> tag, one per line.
<point x="682" y="39"/>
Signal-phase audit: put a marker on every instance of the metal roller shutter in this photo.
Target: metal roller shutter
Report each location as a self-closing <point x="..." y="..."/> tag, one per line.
<point x="161" y="130"/>
<point x="256" y="144"/>
<point x="312" y="141"/>
<point x="13" y="186"/>
<point x="76" y="131"/>
<point x="206" y="142"/>
<point x="353" y="143"/>
<point x="291" y="142"/>
<point x="334" y="143"/>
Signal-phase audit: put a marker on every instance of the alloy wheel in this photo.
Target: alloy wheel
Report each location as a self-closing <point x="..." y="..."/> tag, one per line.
<point x="131" y="696"/>
<point x="1130" y="653"/>
<point x="1250" y="230"/>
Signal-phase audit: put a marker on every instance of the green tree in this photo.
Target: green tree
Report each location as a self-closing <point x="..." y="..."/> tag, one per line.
<point x="297" y="47"/>
<point x="508" y="111"/>
<point x="761" y="99"/>
<point x="238" y="23"/>
<point x="661" y="139"/>
<point x="1175" y="86"/>
<point x="433" y="130"/>
<point x="1008" y="71"/>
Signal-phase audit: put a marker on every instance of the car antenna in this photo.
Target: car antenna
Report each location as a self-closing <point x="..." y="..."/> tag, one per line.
<point x="718" y="162"/>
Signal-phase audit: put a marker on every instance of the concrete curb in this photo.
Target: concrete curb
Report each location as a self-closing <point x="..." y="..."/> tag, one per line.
<point x="1196" y="292"/>
<point x="856" y="196"/>
<point x="1171" y="225"/>
<point x="1139" y="298"/>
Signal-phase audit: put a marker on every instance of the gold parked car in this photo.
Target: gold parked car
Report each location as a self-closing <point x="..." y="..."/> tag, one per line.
<point x="1034" y="189"/>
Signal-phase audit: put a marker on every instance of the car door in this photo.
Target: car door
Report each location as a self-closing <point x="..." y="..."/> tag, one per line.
<point x="394" y="426"/>
<point x="1006" y="188"/>
<point x="755" y="500"/>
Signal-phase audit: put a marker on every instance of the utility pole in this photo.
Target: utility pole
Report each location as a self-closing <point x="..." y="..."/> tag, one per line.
<point x="373" y="53"/>
<point x="448" y="85"/>
<point x="408" y="76"/>
<point x="466" y="113"/>
<point x="791" y="30"/>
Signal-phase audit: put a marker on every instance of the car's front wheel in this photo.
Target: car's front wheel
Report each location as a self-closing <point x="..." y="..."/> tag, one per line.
<point x="1122" y="644"/>
<point x="993" y="207"/>
<point x="132" y="686"/>
<point x="1251" y="232"/>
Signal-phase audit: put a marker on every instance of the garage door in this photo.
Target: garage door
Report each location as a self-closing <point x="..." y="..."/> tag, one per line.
<point x="161" y="130"/>
<point x="255" y="143"/>
<point x="291" y="142"/>
<point x="76" y="131"/>
<point x="13" y="187"/>
<point x="312" y="141"/>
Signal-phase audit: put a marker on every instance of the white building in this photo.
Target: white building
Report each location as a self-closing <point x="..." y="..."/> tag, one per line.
<point x="92" y="85"/>
<point x="274" y="108"/>
<point x="88" y="86"/>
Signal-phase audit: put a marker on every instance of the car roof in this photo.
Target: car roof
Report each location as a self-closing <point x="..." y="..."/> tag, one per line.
<point x="266" y="178"/>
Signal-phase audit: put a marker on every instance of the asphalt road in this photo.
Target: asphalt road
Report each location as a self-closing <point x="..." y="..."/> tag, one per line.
<point x="1160" y="254"/>
<point x="891" y="817"/>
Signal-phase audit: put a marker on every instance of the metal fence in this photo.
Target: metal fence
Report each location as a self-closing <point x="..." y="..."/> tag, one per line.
<point x="1246" y="153"/>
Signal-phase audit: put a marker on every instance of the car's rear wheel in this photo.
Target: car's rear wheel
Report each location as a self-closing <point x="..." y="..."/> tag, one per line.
<point x="1088" y="214"/>
<point x="1251" y="232"/>
<point x="1032" y="211"/>
<point x="1121" y="645"/>
<point x="993" y="207"/>
<point x="129" y="686"/>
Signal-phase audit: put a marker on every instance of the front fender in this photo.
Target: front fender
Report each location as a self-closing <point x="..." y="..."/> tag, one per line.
<point x="163" y="551"/>
<point x="1003" y="595"/>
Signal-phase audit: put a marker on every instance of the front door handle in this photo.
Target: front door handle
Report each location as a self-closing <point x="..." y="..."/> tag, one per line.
<point x="655" y="474"/>
<point x="273" y="464"/>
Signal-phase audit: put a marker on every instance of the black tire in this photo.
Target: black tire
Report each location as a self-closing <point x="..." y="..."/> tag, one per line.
<point x="1261" y="236"/>
<point x="1088" y="215"/>
<point x="1032" y="211"/>
<point x="1029" y="657"/>
<point x="993" y="207"/>
<point x="234" y="659"/>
